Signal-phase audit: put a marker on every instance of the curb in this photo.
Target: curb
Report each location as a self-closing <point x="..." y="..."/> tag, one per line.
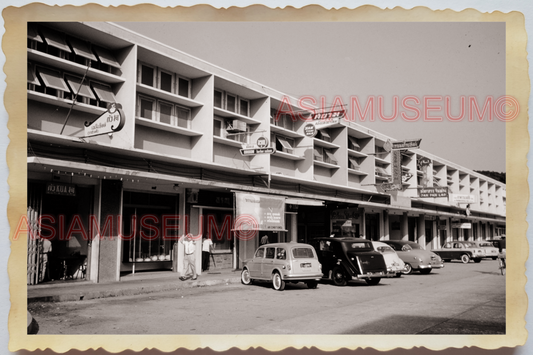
<point x="130" y="291"/>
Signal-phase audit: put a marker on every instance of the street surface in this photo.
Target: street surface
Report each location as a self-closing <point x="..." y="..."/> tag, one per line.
<point x="459" y="299"/>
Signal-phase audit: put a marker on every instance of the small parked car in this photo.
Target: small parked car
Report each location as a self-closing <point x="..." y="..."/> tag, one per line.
<point x="460" y="250"/>
<point x="395" y="265"/>
<point x="283" y="262"/>
<point x="488" y="247"/>
<point x="347" y="258"/>
<point x="415" y="257"/>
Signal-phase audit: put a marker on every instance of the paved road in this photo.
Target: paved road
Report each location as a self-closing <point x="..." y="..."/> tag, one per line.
<point x="459" y="299"/>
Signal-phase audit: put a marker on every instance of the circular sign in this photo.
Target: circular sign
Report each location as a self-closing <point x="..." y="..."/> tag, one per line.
<point x="310" y="130"/>
<point x="388" y="145"/>
<point x="262" y="142"/>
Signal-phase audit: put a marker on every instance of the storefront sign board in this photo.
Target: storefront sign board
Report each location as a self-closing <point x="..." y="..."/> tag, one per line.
<point x="110" y="121"/>
<point x="260" y="212"/>
<point x="257" y="150"/>
<point x="407" y="144"/>
<point x="463" y="198"/>
<point x="425" y="192"/>
<point x="60" y="189"/>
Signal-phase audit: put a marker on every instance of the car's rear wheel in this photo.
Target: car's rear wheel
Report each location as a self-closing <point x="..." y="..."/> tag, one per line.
<point x="245" y="277"/>
<point x="477" y="260"/>
<point x="373" y="281"/>
<point x="408" y="269"/>
<point x="425" y="271"/>
<point x="277" y="282"/>
<point x="465" y="259"/>
<point x="338" y="276"/>
<point x="312" y="284"/>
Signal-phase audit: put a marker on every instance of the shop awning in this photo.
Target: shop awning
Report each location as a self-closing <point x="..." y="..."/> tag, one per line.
<point x="303" y="202"/>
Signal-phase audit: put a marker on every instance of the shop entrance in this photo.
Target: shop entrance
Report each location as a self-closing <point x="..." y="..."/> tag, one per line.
<point x="372" y="226"/>
<point x="60" y="252"/>
<point x="147" y="231"/>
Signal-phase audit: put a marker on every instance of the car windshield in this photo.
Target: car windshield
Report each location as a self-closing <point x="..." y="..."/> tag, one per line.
<point x="415" y="246"/>
<point x="385" y="249"/>
<point x="302" y="253"/>
<point x="358" y="245"/>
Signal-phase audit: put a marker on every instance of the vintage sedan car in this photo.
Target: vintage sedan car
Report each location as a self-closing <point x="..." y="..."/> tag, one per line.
<point x="491" y="252"/>
<point x="348" y="258"/>
<point x="283" y="262"/>
<point x="460" y="250"/>
<point x="395" y="265"/>
<point x="415" y="257"/>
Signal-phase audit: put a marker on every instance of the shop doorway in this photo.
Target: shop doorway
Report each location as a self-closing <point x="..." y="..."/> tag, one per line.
<point x="372" y="226"/>
<point x="60" y="249"/>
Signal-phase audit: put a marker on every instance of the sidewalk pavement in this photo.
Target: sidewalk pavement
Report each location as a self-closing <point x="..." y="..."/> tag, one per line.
<point x="139" y="283"/>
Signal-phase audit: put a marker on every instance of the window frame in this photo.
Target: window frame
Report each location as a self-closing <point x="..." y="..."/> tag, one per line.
<point x="159" y="76"/>
<point x="154" y="107"/>
<point x="177" y="85"/>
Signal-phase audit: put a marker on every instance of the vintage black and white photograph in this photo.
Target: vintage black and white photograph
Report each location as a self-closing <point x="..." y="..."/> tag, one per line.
<point x="264" y="177"/>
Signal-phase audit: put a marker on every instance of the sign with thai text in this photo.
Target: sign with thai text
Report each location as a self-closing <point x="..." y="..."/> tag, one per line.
<point x="254" y="151"/>
<point x="259" y="212"/>
<point x="425" y="192"/>
<point x="310" y="130"/>
<point x="387" y="186"/>
<point x="463" y="198"/>
<point x="407" y="144"/>
<point x="396" y="167"/>
<point x="110" y="121"/>
<point x="60" y="189"/>
<point x="324" y="119"/>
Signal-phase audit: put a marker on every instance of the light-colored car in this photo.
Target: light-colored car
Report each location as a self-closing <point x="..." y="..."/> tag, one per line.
<point x="491" y="252"/>
<point x="283" y="262"/>
<point x="395" y="265"/>
<point x="414" y="257"/>
<point x="460" y="250"/>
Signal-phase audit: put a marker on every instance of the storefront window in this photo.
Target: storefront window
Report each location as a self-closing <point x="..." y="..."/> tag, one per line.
<point x="148" y="230"/>
<point x="217" y="226"/>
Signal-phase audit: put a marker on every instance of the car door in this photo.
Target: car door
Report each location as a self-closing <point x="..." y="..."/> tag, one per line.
<point x="446" y="251"/>
<point x="267" y="264"/>
<point x="255" y="265"/>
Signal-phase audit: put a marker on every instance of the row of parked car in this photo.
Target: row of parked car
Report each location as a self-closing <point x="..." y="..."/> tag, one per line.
<point x="343" y="259"/>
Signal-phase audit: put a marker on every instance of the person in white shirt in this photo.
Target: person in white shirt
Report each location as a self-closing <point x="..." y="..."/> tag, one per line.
<point x="45" y="269"/>
<point x="189" y="245"/>
<point x="207" y="249"/>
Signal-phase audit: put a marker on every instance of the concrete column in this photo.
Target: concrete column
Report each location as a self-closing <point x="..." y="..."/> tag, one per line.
<point x="404" y="226"/>
<point x="386" y="226"/>
<point x="294" y="228"/>
<point x="110" y="242"/>
<point x="363" y="223"/>
<point x="421" y="231"/>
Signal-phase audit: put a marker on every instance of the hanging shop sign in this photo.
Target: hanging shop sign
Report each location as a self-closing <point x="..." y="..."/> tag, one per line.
<point x="407" y="144"/>
<point x="310" y="130"/>
<point x="463" y="198"/>
<point x="255" y="151"/>
<point x="110" y="121"/>
<point x="60" y="189"/>
<point x="324" y="119"/>
<point x="396" y="167"/>
<point x="259" y="212"/>
<point x="262" y="142"/>
<point x="388" y="186"/>
<point x="425" y="192"/>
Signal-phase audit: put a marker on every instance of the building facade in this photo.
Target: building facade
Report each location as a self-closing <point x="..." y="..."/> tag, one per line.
<point x="132" y="144"/>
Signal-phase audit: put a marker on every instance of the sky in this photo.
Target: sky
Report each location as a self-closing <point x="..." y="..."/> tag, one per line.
<point x="427" y="61"/>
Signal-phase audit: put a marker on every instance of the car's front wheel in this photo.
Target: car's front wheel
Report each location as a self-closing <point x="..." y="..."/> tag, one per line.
<point x="408" y="269"/>
<point x="245" y="277"/>
<point x="312" y="284"/>
<point x="277" y="282"/>
<point x="338" y="276"/>
<point x="465" y="259"/>
<point x="373" y="281"/>
<point x="425" y="271"/>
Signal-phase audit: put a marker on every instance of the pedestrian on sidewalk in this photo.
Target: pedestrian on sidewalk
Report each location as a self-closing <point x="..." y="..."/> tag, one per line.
<point x="189" y="245"/>
<point x="207" y="249"/>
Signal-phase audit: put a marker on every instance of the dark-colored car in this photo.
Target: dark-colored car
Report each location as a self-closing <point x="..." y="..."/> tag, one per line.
<point x="347" y="258"/>
<point x="415" y="257"/>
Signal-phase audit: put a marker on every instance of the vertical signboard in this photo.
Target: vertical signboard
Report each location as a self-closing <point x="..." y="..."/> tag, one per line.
<point x="264" y="212"/>
<point x="396" y="167"/>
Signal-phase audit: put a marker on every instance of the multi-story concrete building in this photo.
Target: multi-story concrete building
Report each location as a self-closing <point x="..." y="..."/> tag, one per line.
<point x="167" y="156"/>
